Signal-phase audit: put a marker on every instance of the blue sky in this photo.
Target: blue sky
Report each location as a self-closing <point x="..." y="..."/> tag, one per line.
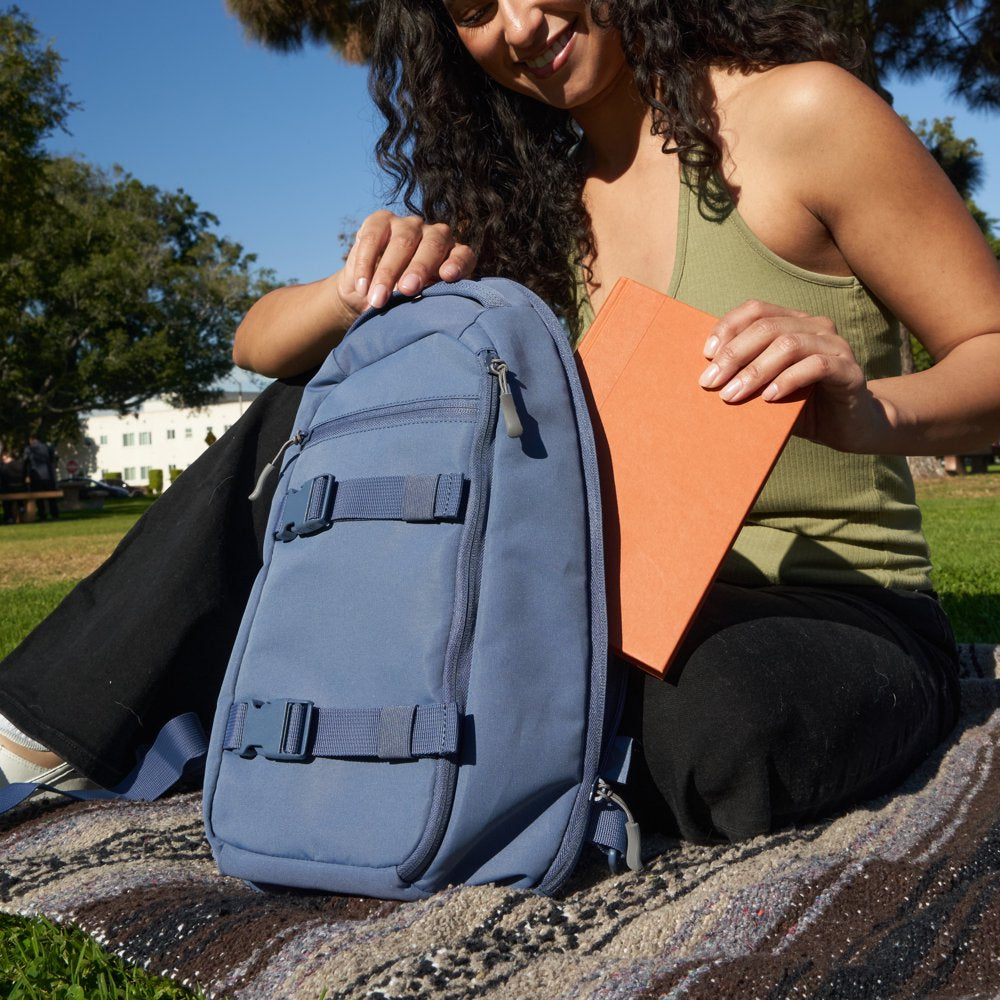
<point x="278" y="146"/>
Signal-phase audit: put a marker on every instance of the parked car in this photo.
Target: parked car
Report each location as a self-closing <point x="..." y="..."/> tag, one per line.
<point x="133" y="491"/>
<point x="91" y="489"/>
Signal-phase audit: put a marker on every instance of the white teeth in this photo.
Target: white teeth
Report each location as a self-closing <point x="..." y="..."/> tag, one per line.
<point x="549" y="54"/>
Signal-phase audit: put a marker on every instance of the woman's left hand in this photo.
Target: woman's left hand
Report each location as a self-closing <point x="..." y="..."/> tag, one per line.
<point x="763" y="348"/>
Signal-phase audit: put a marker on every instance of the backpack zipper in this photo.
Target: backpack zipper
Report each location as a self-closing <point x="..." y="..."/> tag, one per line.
<point x="410" y="411"/>
<point x="419" y="410"/>
<point x="603" y="792"/>
<point x="508" y="407"/>
<point x="458" y="656"/>
<point x="297" y="438"/>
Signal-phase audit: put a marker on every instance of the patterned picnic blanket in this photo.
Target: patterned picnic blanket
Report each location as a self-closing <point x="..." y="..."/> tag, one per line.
<point x="897" y="899"/>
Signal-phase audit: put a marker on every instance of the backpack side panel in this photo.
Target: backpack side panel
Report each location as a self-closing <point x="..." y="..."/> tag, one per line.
<point x="529" y="683"/>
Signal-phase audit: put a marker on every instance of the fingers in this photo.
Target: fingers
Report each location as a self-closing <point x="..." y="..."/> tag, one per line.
<point x="766" y="349"/>
<point x="460" y="264"/>
<point x="743" y="316"/>
<point x="404" y="253"/>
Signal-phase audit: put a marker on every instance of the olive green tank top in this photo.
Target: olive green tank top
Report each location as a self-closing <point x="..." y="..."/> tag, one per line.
<point x="824" y="517"/>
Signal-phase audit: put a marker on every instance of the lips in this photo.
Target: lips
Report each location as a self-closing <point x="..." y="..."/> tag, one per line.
<point x="555" y="55"/>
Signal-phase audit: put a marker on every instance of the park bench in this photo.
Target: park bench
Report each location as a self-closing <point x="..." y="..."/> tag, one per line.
<point x="29" y="497"/>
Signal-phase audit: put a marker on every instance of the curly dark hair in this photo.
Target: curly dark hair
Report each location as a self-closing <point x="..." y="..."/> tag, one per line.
<point x="503" y="169"/>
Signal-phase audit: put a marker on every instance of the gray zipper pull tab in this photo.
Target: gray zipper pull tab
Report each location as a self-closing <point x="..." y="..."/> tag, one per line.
<point x="633" y="836"/>
<point x="507" y="405"/>
<point x="265" y="473"/>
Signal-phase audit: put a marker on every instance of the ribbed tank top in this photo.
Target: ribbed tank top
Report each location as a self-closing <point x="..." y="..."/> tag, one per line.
<point x="825" y="517"/>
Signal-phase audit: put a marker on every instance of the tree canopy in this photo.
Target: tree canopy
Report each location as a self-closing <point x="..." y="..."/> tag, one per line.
<point x="959" y="39"/>
<point x="962" y="161"/>
<point x="33" y="104"/>
<point x="288" y="24"/>
<point x="111" y="291"/>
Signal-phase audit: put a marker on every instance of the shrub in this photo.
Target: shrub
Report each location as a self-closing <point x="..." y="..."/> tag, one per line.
<point x="155" y="487"/>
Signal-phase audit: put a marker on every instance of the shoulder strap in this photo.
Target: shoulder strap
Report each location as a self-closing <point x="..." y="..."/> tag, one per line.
<point x="179" y="745"/>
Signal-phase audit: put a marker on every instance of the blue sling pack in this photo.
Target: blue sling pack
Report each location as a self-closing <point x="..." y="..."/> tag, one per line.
<point x="419" y="694"/>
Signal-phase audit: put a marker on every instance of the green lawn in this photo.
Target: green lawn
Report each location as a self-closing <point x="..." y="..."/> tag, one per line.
<point x="962" y="524"/>
<point x="40" y="563"/>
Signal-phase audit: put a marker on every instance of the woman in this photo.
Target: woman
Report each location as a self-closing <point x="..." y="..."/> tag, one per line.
<point x="715" y="152"/>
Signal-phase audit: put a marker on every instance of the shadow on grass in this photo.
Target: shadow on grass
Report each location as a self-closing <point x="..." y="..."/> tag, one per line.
<point x="974" y="617"/>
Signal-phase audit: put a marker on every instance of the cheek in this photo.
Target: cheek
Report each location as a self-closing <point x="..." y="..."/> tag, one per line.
<point x="497" y="67"/>
<point x="484" y="58"/>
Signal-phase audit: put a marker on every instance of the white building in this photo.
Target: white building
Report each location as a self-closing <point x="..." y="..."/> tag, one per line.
<point x="159" y="436"/>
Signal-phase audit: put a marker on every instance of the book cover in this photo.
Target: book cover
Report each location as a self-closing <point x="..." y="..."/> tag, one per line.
<point x="680" y="467"/>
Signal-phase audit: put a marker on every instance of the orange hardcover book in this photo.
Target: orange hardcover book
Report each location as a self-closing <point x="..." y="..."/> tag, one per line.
<point x="680" y="468"/>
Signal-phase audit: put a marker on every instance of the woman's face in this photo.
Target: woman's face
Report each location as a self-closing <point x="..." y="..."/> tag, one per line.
<point x="550" y="50"/>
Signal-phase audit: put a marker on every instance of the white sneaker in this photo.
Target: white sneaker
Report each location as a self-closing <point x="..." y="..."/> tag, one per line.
<point x="14" y="769"/>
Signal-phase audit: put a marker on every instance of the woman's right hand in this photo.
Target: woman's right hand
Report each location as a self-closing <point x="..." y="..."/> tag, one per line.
<point x="401" y="253"/>
<point x="292" y="329"/>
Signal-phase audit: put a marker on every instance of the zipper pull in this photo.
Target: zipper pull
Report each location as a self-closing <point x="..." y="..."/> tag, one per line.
<point x="265" y="473"/>
<point x="507" y="405"/>
<point x="633" y="836"/>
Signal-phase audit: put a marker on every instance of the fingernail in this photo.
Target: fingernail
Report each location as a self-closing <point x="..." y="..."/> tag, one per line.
<point x="409" y="284"/>
<point x="732" y="390"/>
<point x="361" y="286"/>
<point x="770" y="392"/>
<point x="711" y="346"/>
<point x="378" y="297"/>
<point x="451" y="272"/>
<point x="708" y="376"/>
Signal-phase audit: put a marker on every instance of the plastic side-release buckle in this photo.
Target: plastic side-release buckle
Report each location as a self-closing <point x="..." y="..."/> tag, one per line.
<point x="277" y="730"/>
<point x="307" y="510"/>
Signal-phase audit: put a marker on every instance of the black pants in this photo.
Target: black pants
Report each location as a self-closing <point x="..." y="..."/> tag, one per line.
<point x="13" y="509"/>
<point x="45" y="508"/>
<point x="791" y="703"/>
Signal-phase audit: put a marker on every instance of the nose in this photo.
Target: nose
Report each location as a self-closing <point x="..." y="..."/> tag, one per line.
<point x="523" y="24"/>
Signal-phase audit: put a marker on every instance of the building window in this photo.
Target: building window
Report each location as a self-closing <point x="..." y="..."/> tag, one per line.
<point x="144" y="472"/>
<point x="187" y="432"/>
<point x="128" y="440"/>
<point x="171" y="434"/>
<point x="104" y="439"/>
<point x="145" y="437"/>
<point x="129" y="472"/>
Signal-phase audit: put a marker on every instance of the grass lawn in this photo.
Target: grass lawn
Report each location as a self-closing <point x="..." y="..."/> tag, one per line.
<point x="40" y="562"/>
<point x="962" y="524"/>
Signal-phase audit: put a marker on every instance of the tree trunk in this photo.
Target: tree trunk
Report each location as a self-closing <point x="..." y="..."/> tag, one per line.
<point x="926" y="467"/>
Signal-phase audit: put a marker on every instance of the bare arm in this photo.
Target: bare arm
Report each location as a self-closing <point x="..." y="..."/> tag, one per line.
<point x="902" y="229"/>
<point x="292" y="329"/>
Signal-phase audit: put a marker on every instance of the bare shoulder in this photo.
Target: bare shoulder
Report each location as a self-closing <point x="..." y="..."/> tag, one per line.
<point x="825" y="136"/>
<point x="824" y="164"/>
<point x="804" y="106"/>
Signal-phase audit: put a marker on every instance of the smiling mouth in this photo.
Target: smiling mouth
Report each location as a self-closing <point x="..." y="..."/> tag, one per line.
<point x="554" y="56"/>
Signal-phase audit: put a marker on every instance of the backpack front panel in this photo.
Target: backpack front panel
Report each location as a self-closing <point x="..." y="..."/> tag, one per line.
<point x="499" y="613"/>
<point x="361" y="615"/>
